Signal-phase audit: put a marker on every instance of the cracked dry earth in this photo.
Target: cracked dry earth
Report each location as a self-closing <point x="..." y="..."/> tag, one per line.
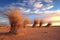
<point x="43" y="33"/>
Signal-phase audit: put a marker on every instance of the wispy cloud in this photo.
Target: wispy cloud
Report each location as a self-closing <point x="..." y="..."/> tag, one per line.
<point x="27" y="11"/>
<point x="50" y="7"/>
<point x="48" y="14"/>
<point x="48" y="1"/>
<point x="26" y="6"/>
<point x="34" y="5"/>
<point x="47" y="8"/>
<point x="38" y="5"/>
<point x="31" y="2"/>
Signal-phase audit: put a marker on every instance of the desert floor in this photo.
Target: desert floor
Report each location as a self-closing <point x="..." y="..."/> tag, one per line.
<point x="43" y="33"/>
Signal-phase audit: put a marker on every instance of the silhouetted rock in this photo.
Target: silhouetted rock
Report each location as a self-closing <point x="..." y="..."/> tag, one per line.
<point x="41" y="22"/>
<point x="35" y="23"/>
<point x="49" y="24"/>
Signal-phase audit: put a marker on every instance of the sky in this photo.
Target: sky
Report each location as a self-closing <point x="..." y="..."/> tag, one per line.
<point x="32" y="6"/>
<point x="47" y="9"/>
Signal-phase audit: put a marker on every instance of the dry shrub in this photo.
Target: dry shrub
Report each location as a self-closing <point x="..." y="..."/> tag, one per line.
<point x="41" y="22"/>
<point x="35" y="23"/>
<point x="26" y="21"/>
<point x="15" y="19"/>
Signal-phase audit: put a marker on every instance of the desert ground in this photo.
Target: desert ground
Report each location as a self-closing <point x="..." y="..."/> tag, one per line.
<point x="43" y="33"/>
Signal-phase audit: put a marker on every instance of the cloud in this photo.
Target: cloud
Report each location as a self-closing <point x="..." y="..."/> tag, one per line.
<point x="38" y="5"/>
<point x="28" y="5"/>
<point x="48" y="1"/>
<point x="53" y="12"/>
<point x="49" y="15"/>
<point x="36" y="11"/>
<point x="31" y="2"/>
<point x="48" y="7"/>
<point x="35" y="4"/>
<point x="22" y="9"/>
<point x="20" y="4"/>
<point x="49" y="12"/>
<point x="27" y="11"/>
<point x="3" y="18"/>
<point x="4" y="21"/>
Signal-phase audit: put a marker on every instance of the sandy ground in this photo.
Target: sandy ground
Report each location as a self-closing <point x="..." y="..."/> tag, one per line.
<point x="44" y="33"/>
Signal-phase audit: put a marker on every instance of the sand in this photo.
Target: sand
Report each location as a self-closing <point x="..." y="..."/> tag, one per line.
<point x="43" y="33"/>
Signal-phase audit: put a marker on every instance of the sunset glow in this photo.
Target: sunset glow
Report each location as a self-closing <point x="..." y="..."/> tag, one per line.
<point x="54" y="18"/>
